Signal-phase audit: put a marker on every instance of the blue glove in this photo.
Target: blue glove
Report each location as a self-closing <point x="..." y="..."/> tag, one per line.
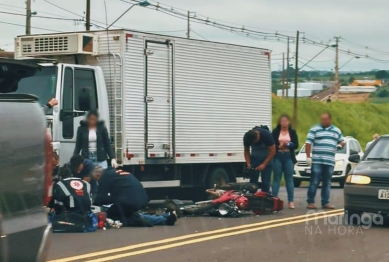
<point x="291" y="145"/>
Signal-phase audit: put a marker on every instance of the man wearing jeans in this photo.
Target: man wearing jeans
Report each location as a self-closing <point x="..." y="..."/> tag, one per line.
<point x="263" y="150"/>
<point x="323" y="141"/>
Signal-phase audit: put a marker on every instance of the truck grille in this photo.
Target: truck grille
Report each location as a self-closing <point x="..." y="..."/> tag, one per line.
<point x="51" y="44"/>
<point x="379" y="181"/>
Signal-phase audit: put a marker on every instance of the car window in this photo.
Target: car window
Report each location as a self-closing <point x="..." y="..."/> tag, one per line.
<point x="380" y="150"/>
<point x="358" y="147"/>
<point x="85" y="78"/>
<point x="354" y="147"/>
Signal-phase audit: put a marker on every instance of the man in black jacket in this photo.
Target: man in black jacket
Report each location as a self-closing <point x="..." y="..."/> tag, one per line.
<point x="128" y="197"/>
<point x="122" y="190"/>
<point x="262" y="152"/>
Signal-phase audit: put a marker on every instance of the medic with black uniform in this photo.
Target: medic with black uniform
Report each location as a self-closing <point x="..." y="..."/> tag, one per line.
<point x="71" y="194"/>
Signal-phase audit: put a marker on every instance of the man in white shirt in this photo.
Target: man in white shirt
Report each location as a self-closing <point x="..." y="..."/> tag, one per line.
<point x="375" y="137"/>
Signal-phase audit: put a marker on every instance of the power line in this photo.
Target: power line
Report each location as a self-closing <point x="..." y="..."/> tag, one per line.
<point x="13" y="7"/>
<point x="198" y="34"/>
<point x="63" y="9"/>
<point x="322" y="61"/>
<point x="253" y="34"/>
<point x="40" y="28"/>
<point x="362" y="46"/>
<point x="38" y="16"/>
<point x="180" y="9"/>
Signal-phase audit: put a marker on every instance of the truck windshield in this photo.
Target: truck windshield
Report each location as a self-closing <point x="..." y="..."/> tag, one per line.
<point x="42" y="84"/>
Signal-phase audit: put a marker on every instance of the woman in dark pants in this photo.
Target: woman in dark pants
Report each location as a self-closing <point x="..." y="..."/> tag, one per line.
<point x="286" y="142"/>
<point x="93" y="141"/>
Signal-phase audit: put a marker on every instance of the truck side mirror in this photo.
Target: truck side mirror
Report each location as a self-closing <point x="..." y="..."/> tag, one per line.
<point x="84" y="98"/>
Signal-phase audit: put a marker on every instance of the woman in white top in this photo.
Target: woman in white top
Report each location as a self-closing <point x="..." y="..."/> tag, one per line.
<point x="93" y="141"/>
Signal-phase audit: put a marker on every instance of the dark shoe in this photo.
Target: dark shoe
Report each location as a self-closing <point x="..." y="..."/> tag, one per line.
<point x="171" y="219"/>
<point x="311" y="206"/>
<point x="328" y="206"/>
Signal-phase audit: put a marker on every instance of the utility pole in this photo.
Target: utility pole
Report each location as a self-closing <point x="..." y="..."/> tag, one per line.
<point x="337" y="69"/>
<point x="283" y="75"/>
<point x="87" y="23"/>
<point x="188" y="29"/>
<point x="28" y="17"/>
<point x="287" y="69"/>
<point x="296" y="72"/>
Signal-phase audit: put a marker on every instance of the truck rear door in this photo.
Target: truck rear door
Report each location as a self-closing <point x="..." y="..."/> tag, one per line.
<point x="159" y="99"/>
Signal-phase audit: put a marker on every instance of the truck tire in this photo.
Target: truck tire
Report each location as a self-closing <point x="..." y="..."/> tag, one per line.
<point x="296" y="182"/>
<point x="218" y="176"/>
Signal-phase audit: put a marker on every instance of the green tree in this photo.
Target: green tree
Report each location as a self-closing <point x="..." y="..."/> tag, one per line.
<point x="382" y="74"/>
<point x="383" y="93"/>
<point x="351" y="79"/>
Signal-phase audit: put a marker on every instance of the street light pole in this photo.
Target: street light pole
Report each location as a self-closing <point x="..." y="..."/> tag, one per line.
<point x="188" y="28"/>
<point x="296" y="82"/>
<point x="283" y="75"/>
<point x="28" y="17"/>
<point x="287" y="69"/>
<point x="143" y="4"/>
<point x="337" y="69"/>
<point x="87" y="23"/>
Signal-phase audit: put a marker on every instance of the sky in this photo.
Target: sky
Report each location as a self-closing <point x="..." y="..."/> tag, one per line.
<point x="359" y="25"/>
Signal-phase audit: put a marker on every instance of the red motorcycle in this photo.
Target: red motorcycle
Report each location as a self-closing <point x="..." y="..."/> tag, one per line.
<point x="232" y="202"/>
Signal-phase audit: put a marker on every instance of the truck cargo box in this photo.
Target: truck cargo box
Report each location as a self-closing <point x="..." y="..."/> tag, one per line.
<point x="184" y="101"/>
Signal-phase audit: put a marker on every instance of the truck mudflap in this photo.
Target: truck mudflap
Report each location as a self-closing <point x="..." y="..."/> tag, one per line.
<point x="263" y="203"/>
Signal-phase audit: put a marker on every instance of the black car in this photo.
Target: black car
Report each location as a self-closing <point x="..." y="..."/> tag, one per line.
<point x="367" y="185"/>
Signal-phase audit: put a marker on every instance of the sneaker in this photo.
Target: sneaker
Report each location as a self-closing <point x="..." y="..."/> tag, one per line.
<point x="171" y="219"/>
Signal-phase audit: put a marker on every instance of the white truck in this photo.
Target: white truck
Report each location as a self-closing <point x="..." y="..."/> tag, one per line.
<point x="176" y="108"/>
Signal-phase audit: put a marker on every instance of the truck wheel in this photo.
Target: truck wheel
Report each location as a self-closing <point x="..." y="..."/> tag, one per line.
<point x="341" y="183"/>
<point x="218" y="177"/>
<point x="297" y="182"/>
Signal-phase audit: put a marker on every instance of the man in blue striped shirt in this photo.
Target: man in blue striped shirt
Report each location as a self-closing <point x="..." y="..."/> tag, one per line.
<point x="322" y="141"/>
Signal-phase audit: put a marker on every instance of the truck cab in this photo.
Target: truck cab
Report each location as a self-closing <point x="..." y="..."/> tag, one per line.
<point x="78" y="89"/>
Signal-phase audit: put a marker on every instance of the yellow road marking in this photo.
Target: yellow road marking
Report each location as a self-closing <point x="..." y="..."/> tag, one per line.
<point x="197" y="240"/>
<point x="164" y="241"/>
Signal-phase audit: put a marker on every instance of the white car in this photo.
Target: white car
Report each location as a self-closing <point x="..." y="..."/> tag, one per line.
<point x="342" y="166"/>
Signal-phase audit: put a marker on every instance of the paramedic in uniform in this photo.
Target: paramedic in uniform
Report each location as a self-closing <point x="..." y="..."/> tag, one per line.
<point x="121" y="189"/>
<point x="71" y="193"/>
<point x="263" y="150"/>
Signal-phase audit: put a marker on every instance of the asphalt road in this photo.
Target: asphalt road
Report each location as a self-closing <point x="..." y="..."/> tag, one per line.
<point x="290" y="235"/>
